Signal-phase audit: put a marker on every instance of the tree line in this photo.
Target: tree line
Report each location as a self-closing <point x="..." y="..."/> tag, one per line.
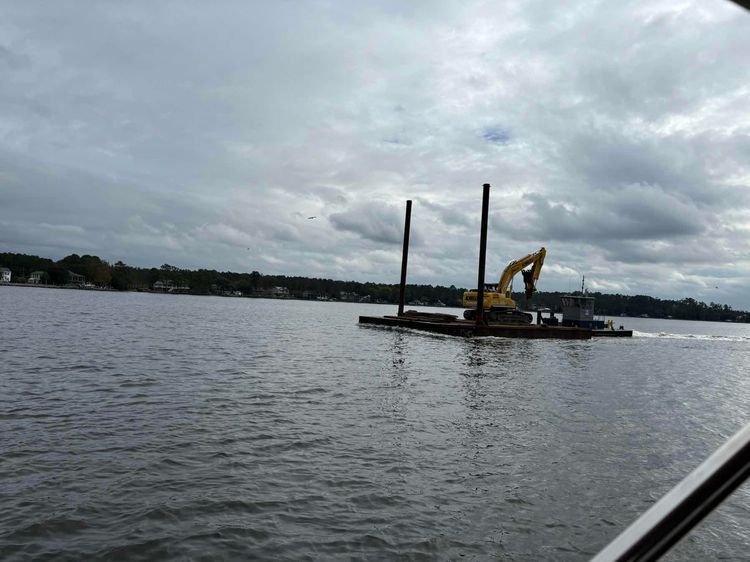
<point x="123" y="277"/>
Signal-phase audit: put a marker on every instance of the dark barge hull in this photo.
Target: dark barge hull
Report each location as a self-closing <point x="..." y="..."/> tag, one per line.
<point x="612" y="333"/>
<point x="469" y="329"/>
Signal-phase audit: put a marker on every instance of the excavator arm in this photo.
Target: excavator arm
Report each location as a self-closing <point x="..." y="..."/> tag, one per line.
<point x="499" y="305"/>
<point x="530" y="276"/>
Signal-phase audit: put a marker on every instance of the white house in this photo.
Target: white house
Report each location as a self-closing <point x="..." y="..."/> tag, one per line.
<point x="4" y="275"/>
<point x="75" y="279"/>
<point x="163" y="286"/>
<point x="280" y="293"/>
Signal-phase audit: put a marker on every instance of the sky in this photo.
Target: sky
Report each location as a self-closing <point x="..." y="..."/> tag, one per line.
<point x="615" y="134"/>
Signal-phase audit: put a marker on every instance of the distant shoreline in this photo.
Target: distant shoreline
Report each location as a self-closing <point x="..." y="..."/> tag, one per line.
<point x="152" y="292"/>
<point x="292" y="298"/>
<point x="44" y="286"/>
<point x="89" y="272"/>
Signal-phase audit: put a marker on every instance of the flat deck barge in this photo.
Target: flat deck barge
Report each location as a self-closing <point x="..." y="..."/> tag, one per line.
<point x="443" y="324"/>
<point x="467" y="328"/>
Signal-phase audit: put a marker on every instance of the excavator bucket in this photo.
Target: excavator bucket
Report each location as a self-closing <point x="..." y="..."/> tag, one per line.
<point x="528" y="281"/>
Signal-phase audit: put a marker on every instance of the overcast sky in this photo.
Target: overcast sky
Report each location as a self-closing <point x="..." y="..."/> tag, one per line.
<point x="617" y="135"/>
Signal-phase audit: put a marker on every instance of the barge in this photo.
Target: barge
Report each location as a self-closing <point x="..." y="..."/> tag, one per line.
<point x="482" y="322"/>
<point x="439" y="324"/>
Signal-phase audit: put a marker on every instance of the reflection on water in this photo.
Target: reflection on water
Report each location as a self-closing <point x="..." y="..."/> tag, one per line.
<point x="473" y="355"/>
<point x="399" y="348"/>
<point x="173" y="427"/>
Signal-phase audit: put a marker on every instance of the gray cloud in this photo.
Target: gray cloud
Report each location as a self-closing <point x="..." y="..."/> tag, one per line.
<point x="451" y="215"/>
<point x="375" y="222"/>
<point x="634" y="212"/>
<point x="617" y="136"/>
<point x="12" y="59"/>
<point x="691" y="252"/>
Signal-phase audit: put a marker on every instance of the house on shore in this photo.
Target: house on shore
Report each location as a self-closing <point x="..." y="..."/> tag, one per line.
<point x="162" y="286"/>
<point x="75" y="279"/>
<point x="280" y="293"/>
<point x="5" y="275"/>
<point x="37" y="277"/>
<point x="168" y="286"/>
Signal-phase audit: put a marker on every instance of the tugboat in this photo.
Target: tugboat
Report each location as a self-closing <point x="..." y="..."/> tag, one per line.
<point x="578" y="310"/>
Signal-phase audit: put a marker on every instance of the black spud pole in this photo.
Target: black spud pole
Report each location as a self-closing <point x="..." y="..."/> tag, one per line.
<point x="404" y="259"/>
<point x="482" y="254"/>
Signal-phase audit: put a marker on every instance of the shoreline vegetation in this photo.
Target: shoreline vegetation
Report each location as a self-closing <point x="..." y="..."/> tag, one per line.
<point x="93" y="273"/>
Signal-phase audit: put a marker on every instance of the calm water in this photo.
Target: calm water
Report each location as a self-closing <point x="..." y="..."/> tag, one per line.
<point x="137" y="426"/>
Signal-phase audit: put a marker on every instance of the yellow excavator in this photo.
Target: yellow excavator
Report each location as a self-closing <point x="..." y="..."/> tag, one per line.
<point x="498" y="304"/>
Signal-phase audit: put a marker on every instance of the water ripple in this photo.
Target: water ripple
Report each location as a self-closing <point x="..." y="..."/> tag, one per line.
<point x="172" y="427"/>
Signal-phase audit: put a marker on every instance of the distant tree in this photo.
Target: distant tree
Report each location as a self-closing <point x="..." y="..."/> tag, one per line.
<point x="21" y="265"/>
<point x="93" y="268"/>
<point x="58" y="275"/>
<point x="122" y="276"/>
<point x="72" y="262"/>
<point x="151" y="276"/>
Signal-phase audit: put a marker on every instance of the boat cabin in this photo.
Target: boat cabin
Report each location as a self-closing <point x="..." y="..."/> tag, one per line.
<point x="578" y="310"/>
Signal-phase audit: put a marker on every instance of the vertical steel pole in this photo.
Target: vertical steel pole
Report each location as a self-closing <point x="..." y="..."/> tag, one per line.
<point x="482" y="254"/>
<point x="404" y="259"/>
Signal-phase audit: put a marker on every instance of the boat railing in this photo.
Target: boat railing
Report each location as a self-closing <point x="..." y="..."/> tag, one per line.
<point x="685" y="505"/>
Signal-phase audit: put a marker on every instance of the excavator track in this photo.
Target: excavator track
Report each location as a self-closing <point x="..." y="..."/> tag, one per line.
<point x="502" y="316"/>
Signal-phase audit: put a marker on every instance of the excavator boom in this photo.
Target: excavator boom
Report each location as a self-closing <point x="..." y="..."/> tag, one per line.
<point x="500" y="306"/>
<point x="530" y="277"/>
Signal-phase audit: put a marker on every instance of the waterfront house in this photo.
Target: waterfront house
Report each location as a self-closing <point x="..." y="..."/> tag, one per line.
<point x="75" y="279"/>
<point x="280" y="293"/>
<point x="5" y="275"/>
<point x="36" y="277"/>
<point x="163" y="286"/>
<point x="169" y="286"/>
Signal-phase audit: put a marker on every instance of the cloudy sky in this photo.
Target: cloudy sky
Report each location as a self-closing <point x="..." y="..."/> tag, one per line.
<point x="617" y="135"/>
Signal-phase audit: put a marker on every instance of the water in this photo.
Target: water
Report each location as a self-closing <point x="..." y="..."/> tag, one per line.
<point x="138" y="426"/>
